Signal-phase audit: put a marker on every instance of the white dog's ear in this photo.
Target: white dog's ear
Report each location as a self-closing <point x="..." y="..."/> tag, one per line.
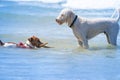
<point x="71" y="14"/>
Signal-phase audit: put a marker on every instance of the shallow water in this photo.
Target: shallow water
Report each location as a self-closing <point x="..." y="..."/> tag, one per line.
<point x="66" y="60"/>
<point x="60" y="63"/>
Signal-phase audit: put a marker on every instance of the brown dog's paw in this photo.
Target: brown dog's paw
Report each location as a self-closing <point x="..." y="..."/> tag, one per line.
<point x="43" y="44"/>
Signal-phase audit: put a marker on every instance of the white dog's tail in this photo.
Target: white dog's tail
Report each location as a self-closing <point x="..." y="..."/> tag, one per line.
<point x="118" y="13"/>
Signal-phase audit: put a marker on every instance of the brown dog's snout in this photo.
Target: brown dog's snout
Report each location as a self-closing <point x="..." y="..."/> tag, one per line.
<point x="57" y="20"/>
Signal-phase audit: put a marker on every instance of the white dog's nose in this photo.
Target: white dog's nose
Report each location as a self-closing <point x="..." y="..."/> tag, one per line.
<point x="58" y="21"/>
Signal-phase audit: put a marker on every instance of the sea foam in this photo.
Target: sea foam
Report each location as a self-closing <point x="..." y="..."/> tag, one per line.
<point x="92" y="4"/>
<point x="75" y="4"/>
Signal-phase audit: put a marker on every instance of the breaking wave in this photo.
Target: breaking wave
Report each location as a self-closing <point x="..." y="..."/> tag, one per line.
<point x="75" y="4"/>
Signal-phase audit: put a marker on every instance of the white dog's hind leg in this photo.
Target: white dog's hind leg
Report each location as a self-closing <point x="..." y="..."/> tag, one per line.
<point x="113" y="41"/>
<point x="108" y="40"/>
<point x="113" y="38"/>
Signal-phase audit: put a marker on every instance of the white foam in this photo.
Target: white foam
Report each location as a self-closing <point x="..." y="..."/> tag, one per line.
<point x="79" y="4"/>
<point x="94" y="4"/>
<point x="45" y="1"/>
<point x="51" y="1"/>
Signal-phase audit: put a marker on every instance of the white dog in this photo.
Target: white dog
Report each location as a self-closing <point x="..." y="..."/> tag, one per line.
<point x="85" y="29"/>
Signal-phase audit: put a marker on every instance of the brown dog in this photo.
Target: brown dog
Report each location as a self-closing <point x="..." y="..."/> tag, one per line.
<point x="32" y="42"/>
<point x="35" y="41"/>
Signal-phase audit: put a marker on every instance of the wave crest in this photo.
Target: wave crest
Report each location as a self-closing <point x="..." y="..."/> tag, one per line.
<point x="90" y="4"/>
<point x="75" y="4"/>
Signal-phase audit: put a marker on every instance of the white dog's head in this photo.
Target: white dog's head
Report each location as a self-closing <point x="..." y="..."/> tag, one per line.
<point x="64" y="16"/>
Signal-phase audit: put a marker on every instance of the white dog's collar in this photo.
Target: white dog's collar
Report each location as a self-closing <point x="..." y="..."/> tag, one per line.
<point x="73" y="21"/>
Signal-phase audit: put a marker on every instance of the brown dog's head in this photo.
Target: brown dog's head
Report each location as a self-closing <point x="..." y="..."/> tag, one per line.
<point x="35" y="41"/>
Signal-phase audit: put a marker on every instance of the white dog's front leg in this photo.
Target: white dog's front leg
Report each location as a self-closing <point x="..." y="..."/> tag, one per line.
<point x="80" y="43"/>
<point x="85" y="44"/>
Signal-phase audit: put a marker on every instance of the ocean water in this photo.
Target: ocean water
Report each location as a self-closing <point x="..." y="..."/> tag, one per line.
<point x="21" y="19"/>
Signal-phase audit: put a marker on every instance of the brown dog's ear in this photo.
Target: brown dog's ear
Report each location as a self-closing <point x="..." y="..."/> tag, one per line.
<point x="30" y="39"/>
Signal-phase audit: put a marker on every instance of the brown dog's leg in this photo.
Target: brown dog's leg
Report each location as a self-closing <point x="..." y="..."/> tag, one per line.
<point x="44" y="45"/>
<point x="47" y="47"/>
